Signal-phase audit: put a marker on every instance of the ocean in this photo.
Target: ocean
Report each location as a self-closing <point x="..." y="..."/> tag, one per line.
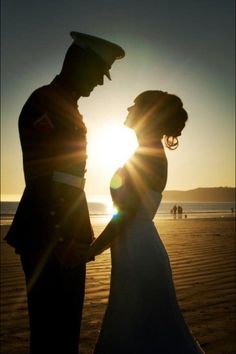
<point x="101" y="212"/>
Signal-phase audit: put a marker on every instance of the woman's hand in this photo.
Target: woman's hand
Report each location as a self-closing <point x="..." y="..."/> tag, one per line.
<point x="89" y="255"/>
<point x="73" y="254"/>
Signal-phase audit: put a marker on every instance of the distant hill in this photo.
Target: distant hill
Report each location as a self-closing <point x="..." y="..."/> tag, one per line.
<point x="217" y="194"/>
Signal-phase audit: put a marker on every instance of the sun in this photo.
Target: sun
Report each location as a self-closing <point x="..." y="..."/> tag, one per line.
<point x="113" y="145"/>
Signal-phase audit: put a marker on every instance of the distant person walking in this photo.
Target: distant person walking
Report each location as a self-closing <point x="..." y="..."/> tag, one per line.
<point x="180" y="211"/>
<point x="174" y="210"/>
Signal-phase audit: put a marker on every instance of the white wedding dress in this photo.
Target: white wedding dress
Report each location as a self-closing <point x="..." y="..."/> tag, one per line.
<point x="143" y="316"/>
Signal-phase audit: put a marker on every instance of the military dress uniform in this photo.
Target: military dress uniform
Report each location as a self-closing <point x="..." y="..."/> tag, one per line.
<point x="52" y="219"/>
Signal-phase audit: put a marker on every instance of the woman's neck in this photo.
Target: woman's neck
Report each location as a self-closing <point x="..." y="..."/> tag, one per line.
<point x="148" y="147"/>
<point x="152" y="142"/>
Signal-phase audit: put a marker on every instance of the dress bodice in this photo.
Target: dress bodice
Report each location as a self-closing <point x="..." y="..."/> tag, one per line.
<point x="149" y="205"/>
<point x="136" y="199"/>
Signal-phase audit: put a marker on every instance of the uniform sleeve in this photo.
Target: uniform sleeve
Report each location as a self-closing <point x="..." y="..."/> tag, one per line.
<point x="35" y="118"/>
<point x="43" y="124"/>
<point x="38" y="138"/>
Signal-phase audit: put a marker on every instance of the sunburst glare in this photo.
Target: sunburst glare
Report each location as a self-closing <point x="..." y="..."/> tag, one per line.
<point x="112" y="145"/>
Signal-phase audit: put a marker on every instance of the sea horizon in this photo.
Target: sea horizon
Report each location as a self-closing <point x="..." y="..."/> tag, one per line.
<point x="101" y="212"/>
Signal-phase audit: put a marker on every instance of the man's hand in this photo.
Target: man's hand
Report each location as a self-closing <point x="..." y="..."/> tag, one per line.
<point x="89" y="256"/>
<point x="72" y="255"/>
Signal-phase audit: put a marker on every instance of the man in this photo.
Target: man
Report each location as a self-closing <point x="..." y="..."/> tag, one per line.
<point x="51" y="229"/>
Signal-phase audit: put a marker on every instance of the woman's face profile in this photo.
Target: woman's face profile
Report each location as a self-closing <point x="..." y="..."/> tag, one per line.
<point x="134" y="115"/>
<point x="130" y="118"/>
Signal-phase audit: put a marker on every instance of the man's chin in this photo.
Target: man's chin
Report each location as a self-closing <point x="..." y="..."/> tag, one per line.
<point x="87" y="92"/>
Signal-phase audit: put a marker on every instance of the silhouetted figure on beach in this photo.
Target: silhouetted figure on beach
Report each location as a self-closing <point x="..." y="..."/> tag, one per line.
<point x="143" y="315"/>
<point x="174" y="210"/>
<point x="180" y="211"/>
<point x="51" y="230"/>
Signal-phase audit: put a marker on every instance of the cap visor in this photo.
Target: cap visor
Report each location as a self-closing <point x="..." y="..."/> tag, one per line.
<point x="108" y="75"/>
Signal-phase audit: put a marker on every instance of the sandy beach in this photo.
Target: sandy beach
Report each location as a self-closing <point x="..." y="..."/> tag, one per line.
<point x="202" y="254"/>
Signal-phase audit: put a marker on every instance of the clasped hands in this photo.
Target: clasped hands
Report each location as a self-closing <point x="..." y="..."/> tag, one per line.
<point x="72" y="255"/>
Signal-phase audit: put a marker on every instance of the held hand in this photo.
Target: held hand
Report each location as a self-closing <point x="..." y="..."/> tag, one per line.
<point x="83" y="255"/>
<point x="72" y="255"/>
<point x="89" y="256"/>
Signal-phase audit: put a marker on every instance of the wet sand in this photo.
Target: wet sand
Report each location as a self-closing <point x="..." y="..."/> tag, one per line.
<point x="202" y="254"/>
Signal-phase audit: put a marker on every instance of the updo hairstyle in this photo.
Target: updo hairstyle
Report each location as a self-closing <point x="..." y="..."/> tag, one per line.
<point x="163" y="114"/>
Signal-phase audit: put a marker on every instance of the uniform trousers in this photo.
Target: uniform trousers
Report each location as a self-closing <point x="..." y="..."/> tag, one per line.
<point x="55" y="300"/>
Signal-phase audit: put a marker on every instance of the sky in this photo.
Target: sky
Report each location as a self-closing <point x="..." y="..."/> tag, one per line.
<point x="184" y="47"/>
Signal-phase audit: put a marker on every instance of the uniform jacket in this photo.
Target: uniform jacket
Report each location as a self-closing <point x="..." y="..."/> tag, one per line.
<point x="53" y="138"/>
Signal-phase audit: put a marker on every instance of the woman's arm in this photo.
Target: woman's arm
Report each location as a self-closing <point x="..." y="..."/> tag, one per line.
<point x="103" y="241"/>
<point x="126" y="200"/>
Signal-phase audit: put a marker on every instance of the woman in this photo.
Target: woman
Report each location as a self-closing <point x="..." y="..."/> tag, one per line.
<point x="143" y="316"/>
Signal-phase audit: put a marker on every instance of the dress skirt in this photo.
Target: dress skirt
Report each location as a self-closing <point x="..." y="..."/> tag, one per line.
<point x="143" y="315"/>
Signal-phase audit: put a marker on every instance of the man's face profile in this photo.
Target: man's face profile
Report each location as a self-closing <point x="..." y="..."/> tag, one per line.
<point x="87" y="72"/>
